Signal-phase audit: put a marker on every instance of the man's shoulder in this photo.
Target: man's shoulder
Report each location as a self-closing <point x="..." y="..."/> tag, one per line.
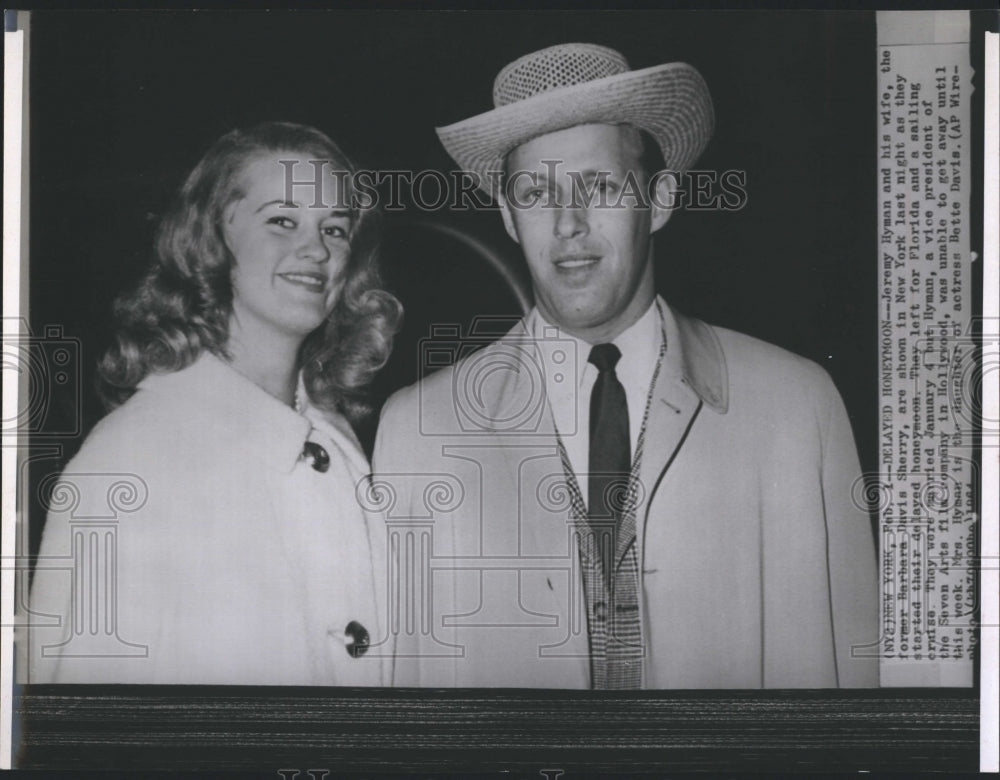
<point x="417" y="420"/>
<point x="749" y="358"/>
<point x="436" y="387"/>
<point x="435" y="393"/>
<point x="760" y="375"/>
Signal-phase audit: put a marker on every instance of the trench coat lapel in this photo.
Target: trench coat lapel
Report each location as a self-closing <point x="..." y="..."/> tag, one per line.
<point x="691" y="382"/>
<point x="544" y="533"/>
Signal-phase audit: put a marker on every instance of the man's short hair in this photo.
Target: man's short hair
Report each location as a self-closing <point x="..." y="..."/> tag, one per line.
<point x="650" y="155"/>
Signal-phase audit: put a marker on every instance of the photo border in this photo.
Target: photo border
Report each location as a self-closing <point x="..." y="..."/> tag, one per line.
<point x="439" y="732"/>
<point x="491" y="731"/>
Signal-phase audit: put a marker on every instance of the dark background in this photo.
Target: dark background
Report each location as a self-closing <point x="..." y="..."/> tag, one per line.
<point x="124" y="103"/>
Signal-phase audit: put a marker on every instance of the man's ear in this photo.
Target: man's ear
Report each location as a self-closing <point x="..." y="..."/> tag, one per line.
<point x="508" y="218"/>
<point x="663" y="194"/>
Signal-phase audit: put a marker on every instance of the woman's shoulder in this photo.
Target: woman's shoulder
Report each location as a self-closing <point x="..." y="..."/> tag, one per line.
<point x="143" y="429"/>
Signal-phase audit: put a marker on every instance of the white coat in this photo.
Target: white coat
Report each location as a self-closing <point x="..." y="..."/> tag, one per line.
<point x="188" y="542"/>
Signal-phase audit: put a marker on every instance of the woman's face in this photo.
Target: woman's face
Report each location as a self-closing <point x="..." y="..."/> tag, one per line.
<point x="291" y="245"/>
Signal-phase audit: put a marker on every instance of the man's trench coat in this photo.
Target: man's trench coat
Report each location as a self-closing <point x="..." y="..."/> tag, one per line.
<point x="757" y="561"/>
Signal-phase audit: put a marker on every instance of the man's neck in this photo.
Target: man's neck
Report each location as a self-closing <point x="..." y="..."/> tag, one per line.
<point x="606" y="332"/>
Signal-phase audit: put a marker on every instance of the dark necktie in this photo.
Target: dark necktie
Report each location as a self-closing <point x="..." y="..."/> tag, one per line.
<point x="610" y="454"/>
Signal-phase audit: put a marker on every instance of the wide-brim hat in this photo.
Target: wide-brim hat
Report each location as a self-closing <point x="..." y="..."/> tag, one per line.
<point x="583" y="83"/>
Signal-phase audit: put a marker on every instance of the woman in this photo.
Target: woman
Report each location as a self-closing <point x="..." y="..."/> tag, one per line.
<point x="240" y="554"/>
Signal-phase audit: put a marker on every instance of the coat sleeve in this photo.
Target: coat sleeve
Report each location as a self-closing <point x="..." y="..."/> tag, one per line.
<point x="404" y="454"/>
<point x="51" y="595"/>
<point x="83" y="613"/>
<point x="384" y="437"/>
<point x="852" y="561"/>
<point x="388" y="458"/>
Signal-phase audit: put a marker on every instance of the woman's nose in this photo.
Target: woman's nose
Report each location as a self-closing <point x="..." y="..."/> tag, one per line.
<point x="314" y="248"/>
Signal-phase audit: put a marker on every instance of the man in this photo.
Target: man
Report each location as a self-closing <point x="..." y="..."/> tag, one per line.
<point x="614" y="495"/>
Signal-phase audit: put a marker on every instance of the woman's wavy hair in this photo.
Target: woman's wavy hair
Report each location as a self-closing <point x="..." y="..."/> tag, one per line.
<point x="183" y="304"/>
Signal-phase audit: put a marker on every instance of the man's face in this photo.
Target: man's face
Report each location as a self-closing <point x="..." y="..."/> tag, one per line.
<point x="590" y="264"/>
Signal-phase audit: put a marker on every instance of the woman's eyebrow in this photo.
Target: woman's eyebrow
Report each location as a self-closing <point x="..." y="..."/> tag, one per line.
<point x="335" y="213"/>
<point x="280" y="202"/>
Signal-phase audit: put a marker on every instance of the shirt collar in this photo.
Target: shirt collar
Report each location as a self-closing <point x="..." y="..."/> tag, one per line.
<point x="694" y="353"/>
<point x="639" y="344"/>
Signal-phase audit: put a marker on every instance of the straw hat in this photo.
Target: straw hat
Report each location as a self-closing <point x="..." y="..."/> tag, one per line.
<point x="582" y="83"/>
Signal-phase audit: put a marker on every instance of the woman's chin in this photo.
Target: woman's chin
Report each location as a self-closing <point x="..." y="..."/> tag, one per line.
<point x="302" y="323"/>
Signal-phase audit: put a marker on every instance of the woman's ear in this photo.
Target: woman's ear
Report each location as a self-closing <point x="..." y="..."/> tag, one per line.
<point x="663" y="194"/>
<point x="228" y="214"/>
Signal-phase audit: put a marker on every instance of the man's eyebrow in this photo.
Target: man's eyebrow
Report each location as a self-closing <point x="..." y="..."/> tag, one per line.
<point x="588" y="174"/>
<point x="533" y="179"/>
<point x="340" y="213"/>
<point x="595" y="173"/>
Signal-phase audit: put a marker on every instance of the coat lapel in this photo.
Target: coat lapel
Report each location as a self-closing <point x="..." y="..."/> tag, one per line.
<point x="693" y="377"/>
<point x="531" y="451"/>
<point x="522" y="396"/>
<point x="691" y="382"/>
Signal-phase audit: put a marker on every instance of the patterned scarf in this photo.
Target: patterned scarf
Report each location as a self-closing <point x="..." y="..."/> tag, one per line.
<point x="613" y="618"/>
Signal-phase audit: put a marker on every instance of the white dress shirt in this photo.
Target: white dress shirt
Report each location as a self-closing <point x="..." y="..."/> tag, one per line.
<point x="569" y="380"/>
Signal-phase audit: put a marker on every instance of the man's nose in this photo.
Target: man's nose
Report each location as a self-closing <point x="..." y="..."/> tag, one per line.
<point x="571" y="221"/>
<point x="313" y="247"/>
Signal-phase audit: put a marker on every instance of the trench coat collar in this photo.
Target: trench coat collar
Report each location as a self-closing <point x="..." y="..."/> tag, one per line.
<point x="694" y="358"/>
<point x="695" y="355"/>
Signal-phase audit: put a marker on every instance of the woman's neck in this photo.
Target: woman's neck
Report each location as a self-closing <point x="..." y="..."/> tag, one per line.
<point x="267" y="359"/>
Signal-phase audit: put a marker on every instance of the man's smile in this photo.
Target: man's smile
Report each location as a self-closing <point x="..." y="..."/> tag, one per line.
<point x="572" y="262"/>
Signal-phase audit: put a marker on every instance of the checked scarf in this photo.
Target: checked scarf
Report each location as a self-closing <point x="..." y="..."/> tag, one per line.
<point x="613" y="616"/>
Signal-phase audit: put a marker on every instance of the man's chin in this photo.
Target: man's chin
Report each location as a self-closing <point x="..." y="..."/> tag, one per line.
<point x="578" y="322"/>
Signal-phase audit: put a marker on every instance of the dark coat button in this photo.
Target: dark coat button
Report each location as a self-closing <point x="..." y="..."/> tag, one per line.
<point x="317" y="457"/>
<point x="360" y="640"/>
